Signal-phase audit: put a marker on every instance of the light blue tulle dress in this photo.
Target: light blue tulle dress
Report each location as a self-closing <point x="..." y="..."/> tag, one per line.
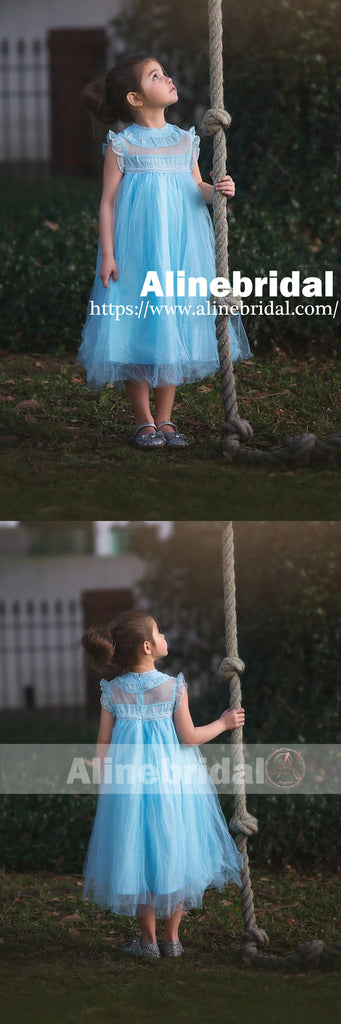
<point x="159" y="836"/>
<point x="161" y="223"/>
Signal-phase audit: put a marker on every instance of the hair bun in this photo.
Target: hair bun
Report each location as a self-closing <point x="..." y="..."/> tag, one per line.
<point x="94" y="98"/>
<point x="99" y="645"/>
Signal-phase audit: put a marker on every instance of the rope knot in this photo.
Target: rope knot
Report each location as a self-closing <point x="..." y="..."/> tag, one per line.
<point x="230" y="667"/>
<point x="246" y="825"/>
<point x="301" y="448"/>
<point x="254" y="938"/>
<point x="213" y="119"/>
<point x="238" y="429"/>
<point x="311" y="952"/>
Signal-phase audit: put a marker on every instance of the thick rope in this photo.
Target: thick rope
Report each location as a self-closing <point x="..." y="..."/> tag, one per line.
<point x="309" y="954"/>
<point x="304" y="449"/>
<point x="214" y="122"/>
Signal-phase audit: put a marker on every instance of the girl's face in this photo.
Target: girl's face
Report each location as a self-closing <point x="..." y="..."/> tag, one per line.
<point x="157" y="88"/>
<point x="159" y="643"/>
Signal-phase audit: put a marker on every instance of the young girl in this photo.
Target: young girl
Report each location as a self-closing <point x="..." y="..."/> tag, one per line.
<point x="159" y="838"/>
<point x="144" y="326"/>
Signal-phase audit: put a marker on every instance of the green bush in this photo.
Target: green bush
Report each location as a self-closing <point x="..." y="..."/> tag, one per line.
<point x="45" y="832"/>
<point x="46" y="270"/>
<point x="52" y="832"/>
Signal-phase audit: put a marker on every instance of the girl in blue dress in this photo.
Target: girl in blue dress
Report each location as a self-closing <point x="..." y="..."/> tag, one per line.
<point x="146" y="324"/>
<point x="159" y="838"/>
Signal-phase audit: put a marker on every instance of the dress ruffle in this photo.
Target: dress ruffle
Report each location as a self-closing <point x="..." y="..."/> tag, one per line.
<point x="195" y="147"/>
<point x="117" y="146"/>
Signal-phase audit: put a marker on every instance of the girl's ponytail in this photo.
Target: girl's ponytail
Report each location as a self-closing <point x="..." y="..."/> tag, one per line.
<point x="99" y="646"/>
<point x="94" y="98"/>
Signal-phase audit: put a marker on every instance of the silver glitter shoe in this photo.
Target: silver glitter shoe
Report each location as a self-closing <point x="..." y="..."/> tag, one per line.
<point x="174" y="440"/>
<point x="134" y="948"/>
<point x="172" y="948"/>
<point x="155" y="440"/>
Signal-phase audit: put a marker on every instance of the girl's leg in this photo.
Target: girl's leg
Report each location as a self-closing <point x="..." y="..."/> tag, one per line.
<point x="164" y="399"/>
<point x="138" y="394"/>
<point x="147" y="920"/>
<point x="171" y="925"/>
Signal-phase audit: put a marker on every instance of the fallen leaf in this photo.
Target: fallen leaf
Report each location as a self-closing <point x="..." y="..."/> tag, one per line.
<point x="29" y="403"/>
<point x="70" y="917"/>
<point x="51" y="224"/>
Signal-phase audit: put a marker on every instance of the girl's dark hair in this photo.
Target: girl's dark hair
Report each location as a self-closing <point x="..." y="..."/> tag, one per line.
<point x="105" y="98"/>
<point x="115" y="646"/>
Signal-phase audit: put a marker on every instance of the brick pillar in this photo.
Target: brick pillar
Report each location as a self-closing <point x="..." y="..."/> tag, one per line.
<point x="100" y="606"/>
<point x="76" y="57"/>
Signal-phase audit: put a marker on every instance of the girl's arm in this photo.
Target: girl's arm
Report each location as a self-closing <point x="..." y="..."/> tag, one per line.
<point x="191" y="735"/>
<point x="111" y="180"/>
<point x="106" y="725"/>
<point x="225" y="185"/>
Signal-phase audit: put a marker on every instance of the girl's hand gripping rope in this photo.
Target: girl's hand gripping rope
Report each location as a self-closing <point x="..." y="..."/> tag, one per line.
<point x="233" y="719"/>
<point x="225" y="185"/>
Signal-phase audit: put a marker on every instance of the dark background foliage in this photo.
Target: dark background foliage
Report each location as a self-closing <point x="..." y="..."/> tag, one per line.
<point x="288" y="580"/>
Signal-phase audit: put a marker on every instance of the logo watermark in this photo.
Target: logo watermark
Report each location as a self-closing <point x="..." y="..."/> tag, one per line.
<point x="170" y="768"/>
<point x="271" y="308"/>
<point x="285" y="768"/>
<point x="176" y="283"/>
<point x="268" y="288"/>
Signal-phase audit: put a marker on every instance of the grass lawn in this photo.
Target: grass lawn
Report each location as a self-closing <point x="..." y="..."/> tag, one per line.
<point x="65" y="451"/>
<point x="61" y="959"/>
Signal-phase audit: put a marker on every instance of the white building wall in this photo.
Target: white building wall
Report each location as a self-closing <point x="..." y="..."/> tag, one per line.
<point x="50" y="579"/>
<point x="30" y="20"/>
<point x="65" y="576"/>
<point x="102" y="531"/>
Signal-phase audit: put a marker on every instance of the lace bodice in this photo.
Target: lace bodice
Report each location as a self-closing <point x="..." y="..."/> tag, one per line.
<point x="141" y="149"/>
<point x="145" y="695"/>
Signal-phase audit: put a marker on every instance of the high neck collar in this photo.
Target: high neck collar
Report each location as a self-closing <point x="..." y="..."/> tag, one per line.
<point x="142" y="128"/>
<point x="131" y="680"/>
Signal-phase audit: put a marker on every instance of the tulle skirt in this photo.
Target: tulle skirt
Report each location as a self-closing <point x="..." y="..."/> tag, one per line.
<point x="159" y="843"/>
<point x="161" y="224"/>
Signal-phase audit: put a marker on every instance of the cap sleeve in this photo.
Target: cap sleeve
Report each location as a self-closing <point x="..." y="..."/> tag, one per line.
<point x="181" y="687"/>
<point x="117" y="146"/>
<point x="105" y="702"/>
<point x="195" y="146"/>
